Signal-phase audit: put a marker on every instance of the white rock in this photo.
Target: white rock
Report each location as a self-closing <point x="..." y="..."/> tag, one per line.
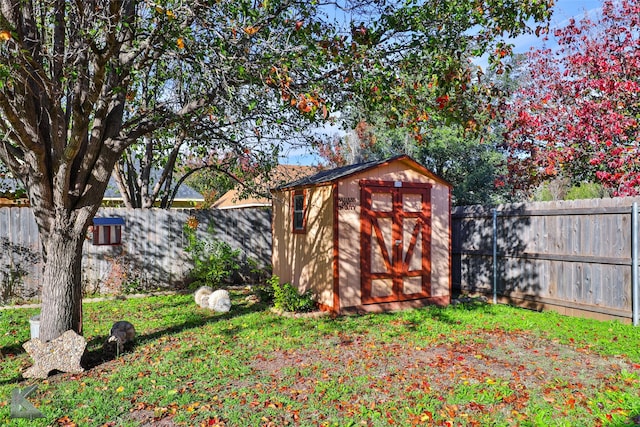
<point x="202" y="295"/>
<point x="219" y="301"/>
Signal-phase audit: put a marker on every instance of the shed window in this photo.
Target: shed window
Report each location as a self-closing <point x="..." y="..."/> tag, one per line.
<point x="107" y="231"/>
<point x="299" y="211"/>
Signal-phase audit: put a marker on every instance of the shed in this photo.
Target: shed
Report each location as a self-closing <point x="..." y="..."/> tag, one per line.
<point x="373" y="236"/>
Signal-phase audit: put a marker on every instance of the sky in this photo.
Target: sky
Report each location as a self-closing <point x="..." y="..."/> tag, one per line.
<point x="562" y="12"/>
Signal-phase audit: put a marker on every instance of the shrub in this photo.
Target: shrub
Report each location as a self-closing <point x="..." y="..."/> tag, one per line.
<point x="255" y="272"/>
<point x="287" y="298"/>
<point x="214" y="261"/>
<point x="264" y="292"/>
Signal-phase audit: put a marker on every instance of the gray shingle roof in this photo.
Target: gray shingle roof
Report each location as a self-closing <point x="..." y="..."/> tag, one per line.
<point x="10" y="185"/>
<point x="335" y="174"/>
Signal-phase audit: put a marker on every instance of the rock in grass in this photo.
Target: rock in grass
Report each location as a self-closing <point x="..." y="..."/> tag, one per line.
<point x="60" y="354"/>
<point x="202" y="296"/>
<point x="220" y="301"/>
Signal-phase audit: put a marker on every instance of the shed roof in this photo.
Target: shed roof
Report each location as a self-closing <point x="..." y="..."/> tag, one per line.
<point x="331" y="175"/>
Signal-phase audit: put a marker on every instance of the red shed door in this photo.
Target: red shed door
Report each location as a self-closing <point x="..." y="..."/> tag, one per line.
<point x="395" y="226"/>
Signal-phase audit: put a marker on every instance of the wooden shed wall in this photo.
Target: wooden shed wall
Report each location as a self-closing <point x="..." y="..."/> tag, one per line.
<point x="349" y="229"/>
<point x="305" y="260"/>
<point x="440" y="240"/>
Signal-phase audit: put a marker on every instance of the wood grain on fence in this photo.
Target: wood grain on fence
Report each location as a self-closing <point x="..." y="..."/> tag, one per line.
<point x="571" y="256"/>
<point x="574" y="257"/>
<point x="151" y="255"/>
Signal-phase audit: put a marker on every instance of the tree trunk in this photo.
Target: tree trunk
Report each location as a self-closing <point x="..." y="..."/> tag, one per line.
<point x="62" y="287"/>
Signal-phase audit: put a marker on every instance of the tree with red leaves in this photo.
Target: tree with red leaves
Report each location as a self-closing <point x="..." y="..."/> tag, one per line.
<point x="577" y="115"/>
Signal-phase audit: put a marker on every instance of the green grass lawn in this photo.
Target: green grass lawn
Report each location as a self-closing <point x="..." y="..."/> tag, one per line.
<point x="471" y="365"/>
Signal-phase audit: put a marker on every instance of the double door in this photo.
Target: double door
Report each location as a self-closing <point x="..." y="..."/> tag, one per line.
<point x="395" y="227"/>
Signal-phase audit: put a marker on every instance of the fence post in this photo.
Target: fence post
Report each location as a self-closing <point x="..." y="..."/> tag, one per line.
<point x="495" y="255"/>
<point x="634" y="263"/>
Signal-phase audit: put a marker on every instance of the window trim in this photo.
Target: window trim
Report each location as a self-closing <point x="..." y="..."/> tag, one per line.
<point x="296" y="195"/>
<point x="107" y="231"/>
<point x="107" y="235"/>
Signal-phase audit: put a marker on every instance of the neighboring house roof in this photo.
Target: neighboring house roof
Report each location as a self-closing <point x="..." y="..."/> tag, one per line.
<point x="233" y="199"/>
<point x="184" y="194"/>
<point x="11" y="202"/>
<point x="9" y="186"/>
<point x="331" y="175"/>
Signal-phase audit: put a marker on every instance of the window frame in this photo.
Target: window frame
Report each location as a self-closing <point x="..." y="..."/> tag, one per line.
<point x="107" y="231"/>
<point x="298" y="215"/>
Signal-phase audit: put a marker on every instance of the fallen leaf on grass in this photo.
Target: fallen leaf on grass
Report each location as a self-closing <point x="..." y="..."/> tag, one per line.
<point x="213" y="422"/>
<point x="65" y="422"/>
<point x="571" y="403"/>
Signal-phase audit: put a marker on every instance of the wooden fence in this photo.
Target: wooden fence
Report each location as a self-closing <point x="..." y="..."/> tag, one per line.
<point x="151" y="255"/>
<point x="574" y="257"/>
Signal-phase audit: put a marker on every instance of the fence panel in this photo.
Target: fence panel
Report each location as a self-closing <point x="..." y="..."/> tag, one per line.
<point x="20" y="255"/>
<point x="151" y="255"/>
<point x="573" y="256"/>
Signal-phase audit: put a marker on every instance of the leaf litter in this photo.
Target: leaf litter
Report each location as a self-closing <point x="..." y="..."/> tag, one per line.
<point x="511" y="370"/>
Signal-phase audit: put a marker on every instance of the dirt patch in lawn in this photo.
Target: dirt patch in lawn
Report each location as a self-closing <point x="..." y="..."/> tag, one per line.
<point x="507" y="369"/>
<point x="147" y="418"/>
<point x="497" y="355"/>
